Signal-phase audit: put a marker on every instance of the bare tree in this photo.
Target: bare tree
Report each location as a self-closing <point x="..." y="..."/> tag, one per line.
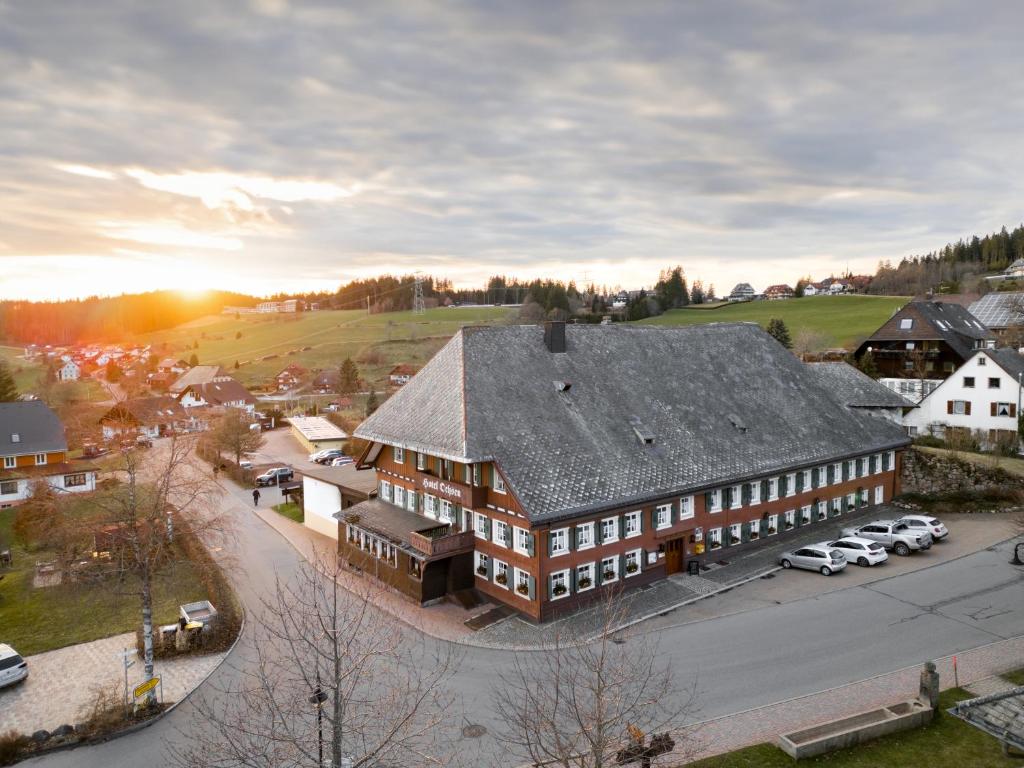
<point x="581" y="702"/>
<point x="332" y="674"/>
<point x="808" y="342"/>
<point x="155" y="491"/>
<point x="233" y="435"/>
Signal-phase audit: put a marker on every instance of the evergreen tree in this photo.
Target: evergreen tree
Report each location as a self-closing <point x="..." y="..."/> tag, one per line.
<point x="778" y="330"/>
<point x="193" y="361"/>
<point x="236" y="365"/>
<point x="867" y="365"/>
<point x="348" y="381"/>
<point x="372" y="403"/>
<point x="697" y="292"/>
<point x="113" y="373"/>
<point x="8" y="392"/>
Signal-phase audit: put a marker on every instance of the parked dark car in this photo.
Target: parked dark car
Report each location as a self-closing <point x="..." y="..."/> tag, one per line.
<point x="275" y="476"/>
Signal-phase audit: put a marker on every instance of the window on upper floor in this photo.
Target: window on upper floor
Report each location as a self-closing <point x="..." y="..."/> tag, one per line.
<point x="906" y="323"/>
<point x="686" y="507"/>
<point x="1003" y="409"/>
<point x="559" y="541"/>
<point x="663" y="516"/>
<point x="755" y="493"/>
<point x="773" y="488"/>
<point x="499" y="533"/>
<point x="993" y="383"/>
<point x="609" y="530"/>
<point x="960" y="407"/>
<point x="969" y="382"/>
<point x="791" y="485"/>
<point x="499" y="483"/>
<point x="399" y="454"/>
<point x="522" y="541"/>
<point x="385" y="490"/>
<point x="735" y="497"/>
<point x="421" y="461"/>
<point x="632" y="524"/>
<point x="982" y="360"/>
<point x="584" y="536"/>
<point x="399" y="498"/>
<point x="480" y="528"/>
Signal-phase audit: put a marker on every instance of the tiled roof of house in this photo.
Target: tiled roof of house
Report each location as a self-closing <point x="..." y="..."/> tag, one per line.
<point x="147" y="410"/>
<point x="782" y="288"/>
<point x="404" y="369"/>
<point x="200" y="374"/>
<point x="38" y="429"/>
<point x="999" y="714"/>
<point x="855" y="389"/>
<point x="1010" y="360"/>
<point x="223" y="391"/>
<point x="999" y="310"/>
<point x="720" y="402"/>
<point x="934" y="320"/>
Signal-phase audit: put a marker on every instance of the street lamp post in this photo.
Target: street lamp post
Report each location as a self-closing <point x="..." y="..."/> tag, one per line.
<point x="318" y="698"/>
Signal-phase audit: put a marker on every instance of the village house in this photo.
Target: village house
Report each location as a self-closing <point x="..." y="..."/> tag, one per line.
<point x="33" y="448"/>
<point x="327" y="381"/>
<point x="543" y="466"/>
<point x="926" y="340"/>
<point x="742" y="292"/>
<point x="200" y="374"/>
<point x="776" y="292"/>
<point x="401" y="374"/>
<point x="812" y="289"/>
<point x="290" y="377"/>
<point x="150" y="417"/>
<point x="224" y="392"/>
<point x="327" y="491"/>
<point x="983" y="397"/>
<point x="69" y="371"/>
<point x="999" y="311"/>
<point x="315" y="433"/>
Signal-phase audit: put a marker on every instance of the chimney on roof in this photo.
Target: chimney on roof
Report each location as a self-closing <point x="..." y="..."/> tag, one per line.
<point x="554" y="335"/>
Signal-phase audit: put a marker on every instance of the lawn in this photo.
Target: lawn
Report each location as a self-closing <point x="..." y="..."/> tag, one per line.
<point x="946" y="742"/>
<point x="26" y="373"/>
<point x="1016" y="677"/>
<point x="843" y="321"/>
<point x="291" y="510"/>
<point x="319" y="340"/>
<point x="34" y="620"/>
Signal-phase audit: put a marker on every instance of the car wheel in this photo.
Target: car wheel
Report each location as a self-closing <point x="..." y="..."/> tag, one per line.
<point x="826" y="571"/>
<point x="786" y="564"/>
<point x="863" y="562"/>
<point x="902" y="549"/>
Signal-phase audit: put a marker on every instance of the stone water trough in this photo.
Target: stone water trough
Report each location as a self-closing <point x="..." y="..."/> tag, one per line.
<point x="856" y="729"/>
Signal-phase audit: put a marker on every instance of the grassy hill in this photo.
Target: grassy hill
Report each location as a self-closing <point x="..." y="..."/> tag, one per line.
<point x="264" y="344"/>
<point x="843" y="321"/>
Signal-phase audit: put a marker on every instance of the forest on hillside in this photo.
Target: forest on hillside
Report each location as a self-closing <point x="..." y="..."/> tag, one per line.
<point x="107" y="319"/>
<point x="958" y="267"/>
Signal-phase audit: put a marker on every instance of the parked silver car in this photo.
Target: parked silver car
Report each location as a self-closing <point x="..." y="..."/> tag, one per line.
<point x="863" y="552"/>
<point x="928" y="523"/>
<point x="13" y="668"/>
<point x="815" y="557"/>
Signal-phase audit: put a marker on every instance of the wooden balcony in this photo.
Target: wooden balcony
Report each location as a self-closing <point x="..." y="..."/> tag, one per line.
<point x="443" y="544"/>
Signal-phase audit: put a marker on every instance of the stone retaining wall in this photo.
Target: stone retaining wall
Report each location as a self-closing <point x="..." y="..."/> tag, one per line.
<point x="924" y="472"/>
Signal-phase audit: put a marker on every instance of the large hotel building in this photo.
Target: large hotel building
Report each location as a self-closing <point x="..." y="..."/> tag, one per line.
<point x="539" y="465"/>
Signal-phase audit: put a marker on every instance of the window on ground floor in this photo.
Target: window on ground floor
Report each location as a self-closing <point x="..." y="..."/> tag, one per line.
<point x="734" y="533"/>
<point x="524" y="584"/>
<point x="559" y="584"/>
<point x="501" y="574"/>
<point x="385" y="490"/>
<point x="8" y="487"/>
<point x="74" y="481"/>
<point x="610" y="569"/>
<point x="879" y="494"/>
<point x="837" y="506"/>
<point x="805" y="514"/>
<point x="483" y="565"/>
<point x="773" y="525"/>
<point x="714" y="538"/>
<point x="584" y="577"/>
<point x="851" y="502"/>
<point x="633" y="562"/>
<point x="755" y="530"/>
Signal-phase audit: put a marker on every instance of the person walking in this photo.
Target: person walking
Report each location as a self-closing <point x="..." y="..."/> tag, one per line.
<point x="255" y="497"/>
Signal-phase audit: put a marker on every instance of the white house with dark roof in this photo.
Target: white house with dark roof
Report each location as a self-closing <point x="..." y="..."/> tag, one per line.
<point x="543" y="466"/>
<point x="983" y="396"/>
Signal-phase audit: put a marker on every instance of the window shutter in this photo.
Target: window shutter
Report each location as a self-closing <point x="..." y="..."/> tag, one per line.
<point x="640" y="521"/>
<point x="799" y="481"/>
<point x="575" y="534"/>
<point x="487" y="528"/>
<point x="764" y="490"/>
<point x="597" y="532"/>
<point x="529" y="543"/>
<point x="551" y="542"/>
<point x="992" y="409"/>
<point x="744" y="533"/>
<point x="707" y="501"/>
<point x="572" y="579"/>
<point x="551" y="587"/>
<point x="745" y="494"/>
<point x="490" y="568"/>
<point x="654" y="518"/>
<point x="508" y="535"/>
<point x="783" y="483"/>
<point x="846" y="470"/>
<point x="815" y="477"/>
<point x="531" y="587"/>
<point x="949" y="406"/>
<point x="967" y="408"/>
<point x="598" y="573"/>
<point x="829" y="474"/>
<point x="727" y="498"/>
<point x="619" y="525"/>
<point x="1013" y="410"/>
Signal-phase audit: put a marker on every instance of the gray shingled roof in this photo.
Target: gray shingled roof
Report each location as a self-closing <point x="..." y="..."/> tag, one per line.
<point x="999" y="310"/>
<point x="999" y="714"/>
<point x="951" y="323"/>
<point x="724" y="402"/>
<point x="37" y="427"/>
<point x="1010" y="360"/>
<point x="199" y="374"/>
<point x="856" y="389"/>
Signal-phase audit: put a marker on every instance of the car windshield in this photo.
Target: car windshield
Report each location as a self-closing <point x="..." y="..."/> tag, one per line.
<point x="10" y="661"/>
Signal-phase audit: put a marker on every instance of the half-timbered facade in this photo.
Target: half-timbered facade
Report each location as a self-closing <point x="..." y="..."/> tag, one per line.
<point x="542" y="467"/>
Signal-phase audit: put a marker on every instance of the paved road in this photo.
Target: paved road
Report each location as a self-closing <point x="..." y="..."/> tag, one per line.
<point x="741" y="660"/>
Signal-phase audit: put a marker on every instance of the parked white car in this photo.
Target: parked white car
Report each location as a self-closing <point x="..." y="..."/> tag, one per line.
<point x="318" y="454"/>
<point x="342" y="461"/>
<point x="928" y="523"/>
<point x="13" y="668"/>
<point x="863" y="552"/>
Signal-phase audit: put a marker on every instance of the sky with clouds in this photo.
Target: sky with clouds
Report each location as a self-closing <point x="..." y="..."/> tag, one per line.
<point x="282" y="145"/>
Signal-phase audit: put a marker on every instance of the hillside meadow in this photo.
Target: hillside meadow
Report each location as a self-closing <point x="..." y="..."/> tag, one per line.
<point x="843" y="321"/>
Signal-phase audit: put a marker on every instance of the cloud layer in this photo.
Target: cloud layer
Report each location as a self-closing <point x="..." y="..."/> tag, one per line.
<point x="281" y="145"/>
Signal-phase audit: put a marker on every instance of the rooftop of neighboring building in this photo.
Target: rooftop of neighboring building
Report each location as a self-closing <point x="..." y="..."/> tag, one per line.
<point x="28" y="427"/>
<point x="933" y="321"/>
<point x="148" y="411"/>
<point x="200" y="374"/>
<point x="855" y="389"/>
<point x="222" y="391"/>
<point x="999" y="309"/>
<point x="358" y="480"/>
<point x="386" y="519"/>
<point x="315" y="428"/>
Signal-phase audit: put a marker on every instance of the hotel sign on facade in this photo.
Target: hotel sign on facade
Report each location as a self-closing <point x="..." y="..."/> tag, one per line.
<point x="465" y="495"/>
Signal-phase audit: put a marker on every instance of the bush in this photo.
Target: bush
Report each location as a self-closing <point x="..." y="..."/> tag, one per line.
<point x="929" y="441"/>
<point x="12" y="747"/>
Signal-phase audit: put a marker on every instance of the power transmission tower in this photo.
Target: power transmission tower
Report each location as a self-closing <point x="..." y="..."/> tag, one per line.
<point x="419" y="306"/>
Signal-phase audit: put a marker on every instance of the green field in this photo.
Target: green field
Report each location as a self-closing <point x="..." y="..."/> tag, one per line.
<point x="319" y="340"/>
<point x="841" y="321"/>
<point x="946" y="742"/>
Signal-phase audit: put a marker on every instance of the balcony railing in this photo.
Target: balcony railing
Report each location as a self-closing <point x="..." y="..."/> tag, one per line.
<point x="446" y="544"/>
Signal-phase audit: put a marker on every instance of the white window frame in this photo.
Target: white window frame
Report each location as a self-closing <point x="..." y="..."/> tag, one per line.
<point x="40" y="459"/>
<point x="735" y="531"/>
<point x="521" y="577"/>
<point x="755" y="530"/>
<point x="807" y="480"/>
<point x="790" y="519"/>
<point x="755" y="494"/>
<point x="851" y="500"/>
<point x="837" y="473"/>
<point x="892" y="461"/>
<point x="447" y="512"/>
<point x="806" y="514"/>
<point x="837" y="505"/>
<point x="686" y="508"/>
<point x="773" y="488"/>
<point x="737" y="497"/>
<point x="851" y="466"/>
<point x="662" y="517"/>
<point x="615" y="530"/>
<point x="563" y="576"/>
<point x="614" y="560"/>
<point x="498" y="526"/>
<point x="508" y="574"/>
<point x="878" y="464"/>
<point x="714" y="538"/>
<point x="10" y="462"/>
<point x="421" y="461"/>
<point x="480" y="558"/>
<point x="398" y="496"/>
<point x="716" y="500"/>
<point x="522" y="547"/>
<point x="639" y="555"/>
<point x="589" y="574"/>
<point x="499" y="483"/>
<point x="410" y="500"/>
<point x="879" y="494"/>
<point x="627" y="519"/>
<point x="773" y="522"/>
<point x="480" y="525"/>
<point x="399" y="454"/>
<point x="559" y="535"/>
<point x="589" y="528"/>
<point x="791" y="484"/>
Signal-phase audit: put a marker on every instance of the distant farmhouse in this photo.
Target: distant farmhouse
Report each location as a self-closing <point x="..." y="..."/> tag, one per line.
<point x="742" y="292"/>
<point x="775" y="292"/>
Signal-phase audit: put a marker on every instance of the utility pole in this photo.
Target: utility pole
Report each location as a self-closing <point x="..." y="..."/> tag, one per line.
<point x="419" y="307"/>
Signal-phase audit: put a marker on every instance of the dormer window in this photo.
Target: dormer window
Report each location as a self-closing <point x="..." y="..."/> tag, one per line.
<point x="906" y="324"/>
<point x="15" y="437"/>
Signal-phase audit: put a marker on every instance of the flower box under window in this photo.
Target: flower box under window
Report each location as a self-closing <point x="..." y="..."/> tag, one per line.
<point x="584" y="583"/>
<point x="523" y="589"/>
<point x="609" y="575"/>
<point x="559" y="590"/>
<point x="789" y="526"/>
<point x="754" y="535"/>
<point x="771" y="530"/>
<point x="734" y="539"/>
<point x="716" y="544"/>
<point x="502" y="579"/>
<point x="821" y="515"/>
<point x="632" y="568"/>
<point x="482" y="570"/>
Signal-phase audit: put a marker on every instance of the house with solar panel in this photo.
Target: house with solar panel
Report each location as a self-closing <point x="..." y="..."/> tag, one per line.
<point x="926" y="340"/>
<point x="999" y="311"/>
<point x="539" y="467"/>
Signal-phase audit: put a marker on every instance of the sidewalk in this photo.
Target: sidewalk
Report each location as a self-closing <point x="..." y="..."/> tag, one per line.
<point x="62" y="684"/>
<point x="763" y="724"/>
